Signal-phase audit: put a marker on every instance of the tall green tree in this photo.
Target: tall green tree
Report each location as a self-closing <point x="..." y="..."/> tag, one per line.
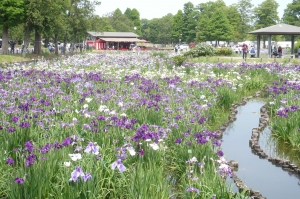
<point x="203" y="33"/>
<point x="145" y="25"/>
<point x="177" y="26"/>
<point x="220" y="28"/>
<point x="100" y="24"/>
<point x="120" y="22"/>
<point x="128" y="12"/>
<point x="206" y="11"/>
<point x="245" y="8"/>
<point x="135" y="17"/>
<point x="80" y="11"/>
<point x="16" y="33"/>
<point x="11" y="14"/>
<point x="234" y="18"/>
<point x="151" y="30"/>
<point x="291" y="13"/>
<point x="265" y="14"/>
<point x="190" y="18"/>
<point x="164" y="28"/>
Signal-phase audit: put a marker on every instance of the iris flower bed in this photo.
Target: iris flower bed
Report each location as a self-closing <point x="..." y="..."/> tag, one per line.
<point x="285" y="109"/>
<point x="118" y="125"/>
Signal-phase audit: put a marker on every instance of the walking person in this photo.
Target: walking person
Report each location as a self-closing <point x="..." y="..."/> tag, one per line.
<point x="12" y="46"/>
<point x="245" y="51"/>
<point x="176" y="49"/>
<point x="279" y="51"/>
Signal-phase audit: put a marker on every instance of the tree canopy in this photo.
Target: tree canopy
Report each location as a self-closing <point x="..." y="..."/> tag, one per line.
<point x="69" y="21"/>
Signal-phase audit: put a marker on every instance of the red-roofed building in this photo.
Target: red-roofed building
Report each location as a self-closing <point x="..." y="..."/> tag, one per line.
<point x="112" y="40"/>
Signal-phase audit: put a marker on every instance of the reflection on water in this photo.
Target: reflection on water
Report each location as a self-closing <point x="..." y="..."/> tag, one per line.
<point x="258" y="174"/>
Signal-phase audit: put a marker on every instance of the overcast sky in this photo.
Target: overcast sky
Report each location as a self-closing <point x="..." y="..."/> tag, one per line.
<point x="150" y="9"/>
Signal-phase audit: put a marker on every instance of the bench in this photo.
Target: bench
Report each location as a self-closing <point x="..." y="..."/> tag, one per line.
<point x="289" y="56"/>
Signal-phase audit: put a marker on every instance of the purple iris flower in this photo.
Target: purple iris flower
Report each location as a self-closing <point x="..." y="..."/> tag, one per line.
<point x="200" y="164"/>
<point x="87" y="177"/>
<point x="67" y="142"/>
<point x="141" y="152"/>
<point x="30" y="160"/>
<point x="119" y="165"/>
<point x="29" y="146"/>
<point x="202" y="120"/>
<point x="217" y="143"/>
<point x="92" y="148"/>
<point x="56" y="145"/>
<point x="177" y="117"/>
<point x="192" y="189"/>
<point x="178" y="141"/>
<point x="101" y="118"/>
<point x="76" y="174"/>
<point x="11" y="129"/>
<point x="45" y="149"/>
<point x="24" y="125"/>
<point x="10" y="161"/>
<point x="14" y="119"/>
<point x="220" y="153"/>
<point x="19" y="180"/>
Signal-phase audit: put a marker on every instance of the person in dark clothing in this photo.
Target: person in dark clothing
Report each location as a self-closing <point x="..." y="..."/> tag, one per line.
<point x="245" y="51"/>
<point x="279" y="51"/>
<point x="12" y="46"/>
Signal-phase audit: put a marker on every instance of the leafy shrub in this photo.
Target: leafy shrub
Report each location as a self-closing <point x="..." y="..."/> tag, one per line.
<point x="224" y="51"/>
<point x="202" y="49"/>
<point x="226" y="97"/>
<point x="296" y="46"/>
<point x="179" y="59"/>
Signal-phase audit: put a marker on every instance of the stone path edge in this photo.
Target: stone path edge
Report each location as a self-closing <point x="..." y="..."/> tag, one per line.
<point x="254" y="144"/>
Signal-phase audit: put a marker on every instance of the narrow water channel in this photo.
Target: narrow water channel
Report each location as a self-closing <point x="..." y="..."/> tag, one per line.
<point x="258" y="174"/>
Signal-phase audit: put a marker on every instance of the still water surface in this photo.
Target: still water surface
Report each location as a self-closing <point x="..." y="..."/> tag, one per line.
<point x="258" y="174"/>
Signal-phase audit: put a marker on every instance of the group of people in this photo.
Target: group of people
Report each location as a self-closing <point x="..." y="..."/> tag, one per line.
<point x="51" y="48"/>
<point x="277" y="52"/>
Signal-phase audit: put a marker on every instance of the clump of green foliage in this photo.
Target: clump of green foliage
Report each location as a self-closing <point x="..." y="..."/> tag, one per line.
<point x="297" y="45"/>
<point x="226" y="51"/>
<point x="202" y="49"/>
<point x="179" y="59"/>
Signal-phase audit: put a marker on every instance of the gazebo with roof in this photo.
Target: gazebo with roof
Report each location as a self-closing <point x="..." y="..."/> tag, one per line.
<point x="278" y="29"/>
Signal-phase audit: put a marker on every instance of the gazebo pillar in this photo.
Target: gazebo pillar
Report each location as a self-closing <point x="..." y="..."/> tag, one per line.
<point x="292" y="44"/>
<point x="269" y="45"/>
<point x="258" y="46"/>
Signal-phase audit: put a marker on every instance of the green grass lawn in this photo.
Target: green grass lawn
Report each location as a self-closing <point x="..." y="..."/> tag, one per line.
<point x="12" y="58"/>
<point x="237" y="58"/>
